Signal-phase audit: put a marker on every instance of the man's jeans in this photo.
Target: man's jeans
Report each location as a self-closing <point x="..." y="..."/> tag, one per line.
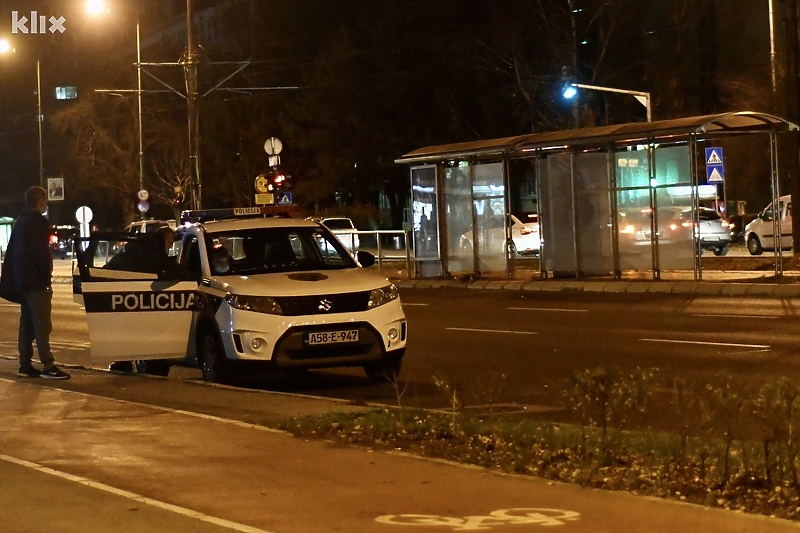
<point x="35" y="324"/>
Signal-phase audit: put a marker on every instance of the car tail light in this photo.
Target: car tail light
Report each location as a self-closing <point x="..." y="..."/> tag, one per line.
<point x="725" y="224"/>
<point x="628" y="229"/>
<point x="53" y="239"/>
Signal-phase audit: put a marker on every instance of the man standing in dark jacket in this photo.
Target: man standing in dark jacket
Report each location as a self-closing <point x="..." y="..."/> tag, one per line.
<point x="30" y="270"/>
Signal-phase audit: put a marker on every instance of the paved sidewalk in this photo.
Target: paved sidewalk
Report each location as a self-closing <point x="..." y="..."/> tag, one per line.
<point x="110" y="465"/>
<point x="719" y="287"/>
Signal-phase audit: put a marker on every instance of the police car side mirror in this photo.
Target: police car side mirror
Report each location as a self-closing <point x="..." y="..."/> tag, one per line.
<point x="365" y="259"/>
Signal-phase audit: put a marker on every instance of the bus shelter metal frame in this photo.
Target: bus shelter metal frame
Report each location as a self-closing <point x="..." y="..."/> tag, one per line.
<point x="688" y="130"/>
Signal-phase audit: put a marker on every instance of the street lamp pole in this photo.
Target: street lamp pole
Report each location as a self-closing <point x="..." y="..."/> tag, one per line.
<point x="39" y="120"/>
<point x="641" y="96"/>
<point x="139" y="100"/>
<point x="5" y="47"/>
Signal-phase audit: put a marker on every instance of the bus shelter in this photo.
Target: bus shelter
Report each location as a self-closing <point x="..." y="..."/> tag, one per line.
<point x="609" y="200"/>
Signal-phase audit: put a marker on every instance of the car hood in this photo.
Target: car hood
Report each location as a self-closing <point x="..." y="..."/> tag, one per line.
<point x="310" y="283"/>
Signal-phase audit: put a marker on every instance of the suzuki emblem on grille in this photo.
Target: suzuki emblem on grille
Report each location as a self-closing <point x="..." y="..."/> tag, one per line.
<point x="325" y="305"/>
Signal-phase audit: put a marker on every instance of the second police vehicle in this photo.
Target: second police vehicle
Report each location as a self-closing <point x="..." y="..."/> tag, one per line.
<point x="246" y="292"/>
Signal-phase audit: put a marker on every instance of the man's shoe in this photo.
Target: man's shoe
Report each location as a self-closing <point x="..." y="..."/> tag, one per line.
<point x="28" y="372"/>
<point x="54" y="373"/>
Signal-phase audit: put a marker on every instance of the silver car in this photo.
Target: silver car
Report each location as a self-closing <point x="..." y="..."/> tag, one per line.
<point x="713" y="230"/>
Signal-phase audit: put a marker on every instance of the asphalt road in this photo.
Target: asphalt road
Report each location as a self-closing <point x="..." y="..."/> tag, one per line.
<point x="527" y="343"/>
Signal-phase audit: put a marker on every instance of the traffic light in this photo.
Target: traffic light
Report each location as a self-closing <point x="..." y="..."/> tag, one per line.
<point x="279" y="181"/>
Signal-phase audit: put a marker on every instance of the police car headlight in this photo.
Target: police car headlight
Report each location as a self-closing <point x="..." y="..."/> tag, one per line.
<point x="384" y="295"/>
<point x="257" y="304"/>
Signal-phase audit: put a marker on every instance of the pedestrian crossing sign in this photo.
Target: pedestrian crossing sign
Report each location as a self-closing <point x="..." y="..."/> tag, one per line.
<point x="714" y="175"/>
<point x="714" y="156"/>
<point x="284" y="198"/>
<point x="715" y="169"/>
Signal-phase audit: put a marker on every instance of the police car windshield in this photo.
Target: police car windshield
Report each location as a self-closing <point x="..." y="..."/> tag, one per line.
<point x="281" y="249"/>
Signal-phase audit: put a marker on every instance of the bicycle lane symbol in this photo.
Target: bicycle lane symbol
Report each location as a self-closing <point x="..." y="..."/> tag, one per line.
<point x="501" y="517"/>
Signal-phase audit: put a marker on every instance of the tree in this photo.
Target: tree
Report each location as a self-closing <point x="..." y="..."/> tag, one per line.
<point x="103" y="161"/>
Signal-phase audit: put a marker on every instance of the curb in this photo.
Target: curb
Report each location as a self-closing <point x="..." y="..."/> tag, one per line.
<point x="703" y="288"/>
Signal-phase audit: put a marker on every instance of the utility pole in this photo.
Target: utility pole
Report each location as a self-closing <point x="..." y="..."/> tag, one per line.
<point x="190" y="71"/>
<point x="189" y="63"/>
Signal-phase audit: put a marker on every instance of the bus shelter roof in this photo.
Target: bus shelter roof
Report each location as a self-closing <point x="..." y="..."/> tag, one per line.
<point x="601" y="136"/>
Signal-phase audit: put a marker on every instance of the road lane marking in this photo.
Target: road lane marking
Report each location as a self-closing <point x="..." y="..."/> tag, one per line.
<point x="411" y="303"/>
<point x="548" y="309"/>
<point x="715" y="315"/>
<point x="707" y="343"/>
<point x="477" y="330"/>
<point x="519" y="516"/>
<point x="133" y="496"/>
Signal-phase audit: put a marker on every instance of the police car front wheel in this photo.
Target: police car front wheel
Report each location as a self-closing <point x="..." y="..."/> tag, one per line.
<point x="211" y="358"/>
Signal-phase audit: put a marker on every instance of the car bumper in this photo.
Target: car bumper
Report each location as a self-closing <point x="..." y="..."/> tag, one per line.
<point x="714" y="242"/>
<point x="283" y="340"/>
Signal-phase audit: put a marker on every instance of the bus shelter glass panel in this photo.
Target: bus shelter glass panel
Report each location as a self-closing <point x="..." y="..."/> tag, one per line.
<point x="634" y="232"/>
<point x="424" y="209"/>
<point x="593" y="213"/>
<point x="673" y="200"/>
<point x="675" y="241"/>
<point x="556" y="222"/>
<point x="634" y="211"/>
<point x="652" y="210"/>
<point x="458" y="214"/>
<point x="489" y="204"/>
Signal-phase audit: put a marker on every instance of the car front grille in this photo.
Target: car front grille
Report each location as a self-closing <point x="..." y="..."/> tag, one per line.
<point x="324" y="304"/>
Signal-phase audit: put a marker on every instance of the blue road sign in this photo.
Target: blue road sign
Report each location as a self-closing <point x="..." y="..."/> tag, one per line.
<point x="715" y="174"/>
<point x="283" y="198"/>
<point x="714" y="156"/>
<point x="715" y="170"/>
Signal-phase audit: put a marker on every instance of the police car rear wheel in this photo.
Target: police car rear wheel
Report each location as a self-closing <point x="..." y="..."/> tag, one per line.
<point x="212" y="359"/>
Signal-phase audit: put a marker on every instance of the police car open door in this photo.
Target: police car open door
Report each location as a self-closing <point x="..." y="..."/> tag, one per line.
<point x="138" y="300"/>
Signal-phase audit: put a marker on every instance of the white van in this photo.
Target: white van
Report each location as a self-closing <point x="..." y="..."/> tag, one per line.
<point x="760" y="233"/>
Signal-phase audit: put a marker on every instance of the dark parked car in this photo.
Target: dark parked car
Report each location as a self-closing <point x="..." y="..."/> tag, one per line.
<point x="61" y="239"/>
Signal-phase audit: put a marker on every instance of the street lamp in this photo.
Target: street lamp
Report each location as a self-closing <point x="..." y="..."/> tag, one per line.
<point x="571" y="90"/>
<point x="6" y="48"/>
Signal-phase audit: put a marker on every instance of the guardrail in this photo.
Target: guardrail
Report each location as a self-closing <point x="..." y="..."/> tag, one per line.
<point x="387" y="245"/>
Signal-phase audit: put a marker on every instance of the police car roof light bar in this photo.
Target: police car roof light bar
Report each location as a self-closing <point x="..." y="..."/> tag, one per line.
<point x="205" y="215"/>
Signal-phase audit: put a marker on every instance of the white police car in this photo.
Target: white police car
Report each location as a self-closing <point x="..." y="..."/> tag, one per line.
<point x="247" y="294"/>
